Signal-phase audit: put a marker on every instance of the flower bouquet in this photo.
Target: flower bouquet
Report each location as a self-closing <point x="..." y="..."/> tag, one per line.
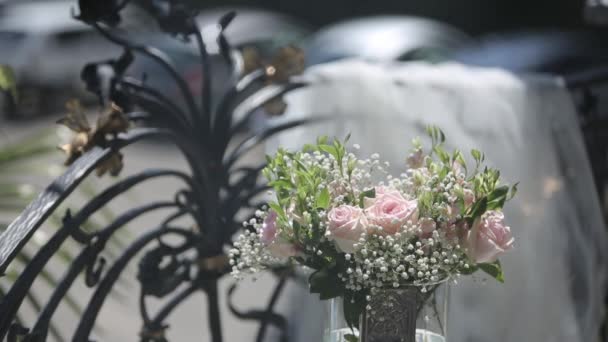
<point x="364" y="233"/>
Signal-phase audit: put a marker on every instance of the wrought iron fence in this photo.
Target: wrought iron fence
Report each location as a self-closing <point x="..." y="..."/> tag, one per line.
<point x="214" y="190"/>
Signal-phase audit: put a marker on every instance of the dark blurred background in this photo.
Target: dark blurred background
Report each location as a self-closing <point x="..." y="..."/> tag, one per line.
<point x="46" y="49"/>
<point x="472" y="16"/>
<point x="43" y="51"/>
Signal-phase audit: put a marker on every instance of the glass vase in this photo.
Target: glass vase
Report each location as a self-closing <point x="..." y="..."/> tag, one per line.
<point x="405" y="314"/>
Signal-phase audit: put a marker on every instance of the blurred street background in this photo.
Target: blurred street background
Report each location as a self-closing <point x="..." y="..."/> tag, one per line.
<point x="43" y="50"/>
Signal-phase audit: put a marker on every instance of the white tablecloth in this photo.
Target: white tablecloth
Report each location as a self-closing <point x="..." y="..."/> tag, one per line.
<point x="556" y="275"/>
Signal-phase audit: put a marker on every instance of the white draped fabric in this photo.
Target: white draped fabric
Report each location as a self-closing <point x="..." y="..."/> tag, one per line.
<point x="556" y="275"/>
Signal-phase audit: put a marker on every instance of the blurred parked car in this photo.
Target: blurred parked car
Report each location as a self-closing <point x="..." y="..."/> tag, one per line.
<point x="550" y="51"/>
<point x="266" y="31"/>
<point x="47" y="49"/>
<point x="385" y="38"/>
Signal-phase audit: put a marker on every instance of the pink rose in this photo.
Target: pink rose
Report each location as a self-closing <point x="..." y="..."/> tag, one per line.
<point x="428" y="226"/>
<point x="291" y="213"/>
<point x="457" y="167"/>
<point x="336" y="188"/>
<point x="451" y="211"/>
<point x="390" y="210"/>
<point x="488" y="238"/>
<point x="277" y="246"/>
<point x="346" y="224"/>
<point x="415" y="160"/>
<point x="468" y="197"/>
<point x="457" y="231"/>
<point x="454" y="210"/>
<point x="269" y="228"/>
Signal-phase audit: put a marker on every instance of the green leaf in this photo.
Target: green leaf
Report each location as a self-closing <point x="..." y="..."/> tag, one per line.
<point x="513" y="191"/>
<point x="329" y="149"/>
<point x="477" y="209"/>
<point x="371" y="193"/>
<point x="322" y="140"/>
<point x="323" y="199"/>
<point x="354" y="305"/>
<point x="436" y="135"/>
<point x="352" y="163"/>
<point x="442" y="154"/>
<point x="497" y="198"/>
<point x="468" y="271"/>
<point x="478" y="156"/>
<point x="459" y="158"/>
<point x="326" y="283"/>
<point x="494" y="269"/>
<point x="281" y="183"/>
<point x="277" y="208"/>
<point x="351" y="338"/>
<point x="347" y="139"/>
<point x="425" y="202"/>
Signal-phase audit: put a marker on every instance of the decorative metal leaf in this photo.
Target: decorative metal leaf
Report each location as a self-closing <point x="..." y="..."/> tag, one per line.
<point x="105" y="11"/>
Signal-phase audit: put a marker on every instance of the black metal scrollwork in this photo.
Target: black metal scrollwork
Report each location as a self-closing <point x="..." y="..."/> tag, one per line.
<point x="215" y="188"/>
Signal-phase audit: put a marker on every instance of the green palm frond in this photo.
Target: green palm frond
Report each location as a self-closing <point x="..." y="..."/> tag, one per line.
<point x="8" y="81"/>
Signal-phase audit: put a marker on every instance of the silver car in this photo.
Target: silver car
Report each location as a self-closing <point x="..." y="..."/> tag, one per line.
<point x="47" y="48"/>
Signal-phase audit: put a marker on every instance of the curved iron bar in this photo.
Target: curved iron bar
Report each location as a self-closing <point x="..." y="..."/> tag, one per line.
<point x="269" y="308"/>
<point x="23" y="227"/>
<point x="176" y="279"/>
<point x="12" y="301"/>
<point x="246" y="181"/>
<point x="206" y="83"/>
<point x="212" y="197"/>
<point x="143" y="309"/>
<point x="83" y="259"/>
<point x="256" y="315"/>
<point x="89" y="316"/>
<point x="213" y="309"/>
<point x="237" y="204"/>
<point x="35" y="302"/>
<point x="110" y="193"/>
<point x="222" y="129"/>
<point x="134" y="84"/>
<point x="154" y="109"/>
<point x="175" y="216"/>
<point x="251" y="142"/>
<point x="226" y="50"/>
<point x="202" y="185"/>
<point x="158" y="56"/>
<point x="138" y="116"/>
<point x="153" y="329"/>
<point x="247" y="107"/>
<point x="122" y="5"/>
<point x="172" y="304"/>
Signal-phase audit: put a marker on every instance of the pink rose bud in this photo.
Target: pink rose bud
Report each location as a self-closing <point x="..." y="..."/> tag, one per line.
<point x="346" y="225"/>
<point x="488" y="238"/>
<point x="277" y="246"/>
<point x="292" y="214"/>
<point x="389" y="210"/>
<point x="269" y="228"/>
<point x="468" y="197"/>
<point x="415" y="160"/>
<point x="428" y="226"/>
<point x="457" y="167"/>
